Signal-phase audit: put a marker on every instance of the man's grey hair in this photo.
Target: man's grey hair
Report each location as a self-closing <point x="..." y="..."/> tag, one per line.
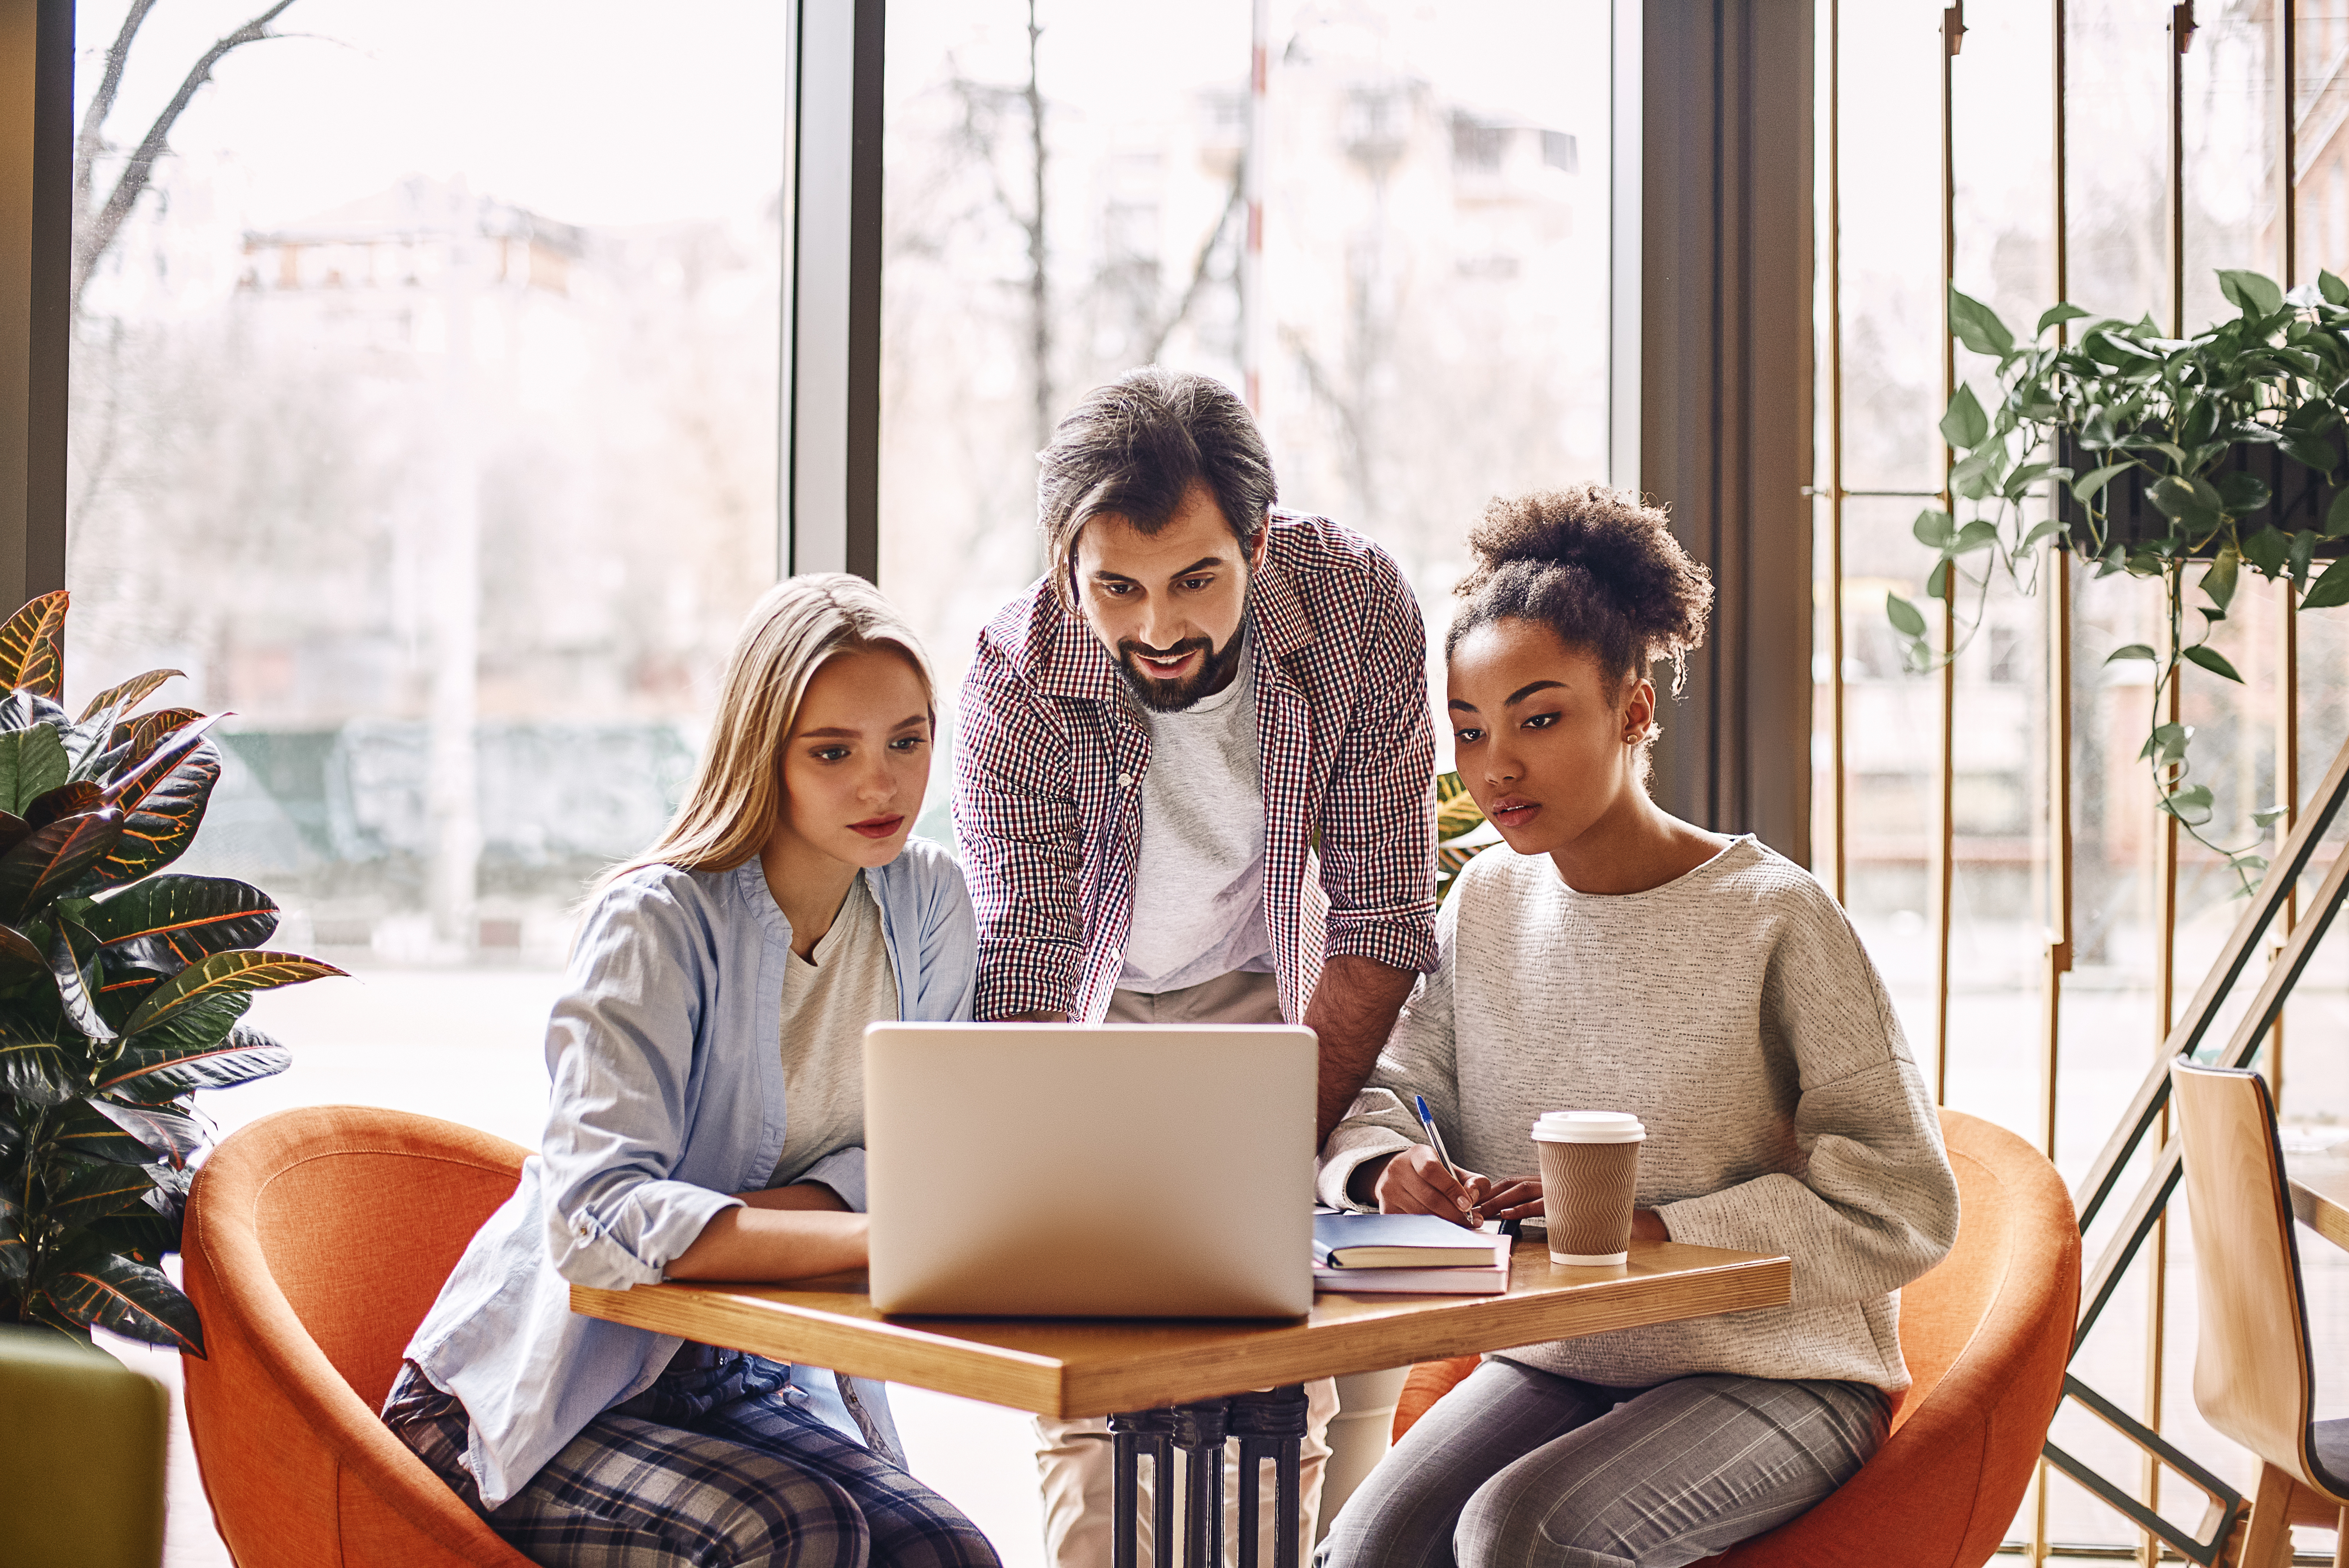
<point x="1134" y="446"/>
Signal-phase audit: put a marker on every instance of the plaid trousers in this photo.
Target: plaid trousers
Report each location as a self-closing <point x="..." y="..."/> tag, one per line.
<point x="714" y="1464"/>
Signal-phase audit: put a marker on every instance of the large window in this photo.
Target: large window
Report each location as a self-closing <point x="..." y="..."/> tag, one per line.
<point x="2025" y="1033"/>
<point x="424" y="411"/>
<point x="425" y="414"/>
<point x="1423" y="326"/>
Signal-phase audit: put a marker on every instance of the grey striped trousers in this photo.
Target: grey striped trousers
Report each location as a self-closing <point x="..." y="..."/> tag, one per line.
<point x="1521" y="1468"/>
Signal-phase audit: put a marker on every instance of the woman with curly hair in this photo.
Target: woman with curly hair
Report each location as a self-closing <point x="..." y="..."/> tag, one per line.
<point x="1608" y="955"/>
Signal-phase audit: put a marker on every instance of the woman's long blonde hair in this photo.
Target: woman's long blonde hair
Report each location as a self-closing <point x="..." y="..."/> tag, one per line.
<point x="737" y="794"/>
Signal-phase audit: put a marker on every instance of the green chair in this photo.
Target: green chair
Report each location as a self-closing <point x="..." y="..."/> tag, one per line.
<point x="81" y="1456"/>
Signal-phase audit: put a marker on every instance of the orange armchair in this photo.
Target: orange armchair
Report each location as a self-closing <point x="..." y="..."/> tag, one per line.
<point x="1986" y="1333"/>
<point x="315" y="1241"/>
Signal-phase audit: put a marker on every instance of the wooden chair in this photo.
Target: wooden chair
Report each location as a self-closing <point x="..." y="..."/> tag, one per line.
<point x="2252" y="1378"/>
<point x="315" y="1241"/>
<point x="1986" y="1333"/>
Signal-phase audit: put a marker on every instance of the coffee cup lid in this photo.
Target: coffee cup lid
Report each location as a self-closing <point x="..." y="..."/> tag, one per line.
<point x="1588" y="1126"/>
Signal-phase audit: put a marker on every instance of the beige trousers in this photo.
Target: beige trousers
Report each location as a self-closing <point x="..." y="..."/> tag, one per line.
<point x="1073" y="1462"/>
<point x="1072" y="1456"/>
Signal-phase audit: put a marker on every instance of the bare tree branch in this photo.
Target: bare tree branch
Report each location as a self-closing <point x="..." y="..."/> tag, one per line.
<point x="92" y="140"/>
<point x="93" y="240"/>
<point x="1166" y="329"/>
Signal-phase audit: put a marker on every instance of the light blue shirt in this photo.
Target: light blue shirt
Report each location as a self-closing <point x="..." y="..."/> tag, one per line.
<point x="667" y="1097"/>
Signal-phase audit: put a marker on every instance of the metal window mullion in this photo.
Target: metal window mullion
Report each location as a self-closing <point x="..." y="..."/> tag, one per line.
<point x="37" y="73"/>
<point x="832" y="413"/>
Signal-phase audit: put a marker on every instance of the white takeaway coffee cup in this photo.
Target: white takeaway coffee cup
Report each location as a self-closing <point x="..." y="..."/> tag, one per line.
<point x="1590" y="1177"/>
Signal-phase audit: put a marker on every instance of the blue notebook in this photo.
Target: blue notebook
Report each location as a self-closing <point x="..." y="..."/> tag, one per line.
<point x="1402" y="1241"/>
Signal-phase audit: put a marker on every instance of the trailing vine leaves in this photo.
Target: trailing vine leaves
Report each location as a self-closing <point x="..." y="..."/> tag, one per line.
<point x="121" y="992"/>
<point x="2112" y="406"/>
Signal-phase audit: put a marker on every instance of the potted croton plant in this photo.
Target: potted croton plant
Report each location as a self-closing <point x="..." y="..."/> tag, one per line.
<point x="2181" y="459"/>
<point x="122" y="991"/>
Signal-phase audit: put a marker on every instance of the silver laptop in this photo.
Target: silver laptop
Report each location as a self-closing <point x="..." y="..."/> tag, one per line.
<point x="1090" y="1171"/>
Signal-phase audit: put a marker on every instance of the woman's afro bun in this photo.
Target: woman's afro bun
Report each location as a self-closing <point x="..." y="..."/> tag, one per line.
<point x="1595" y="565"/>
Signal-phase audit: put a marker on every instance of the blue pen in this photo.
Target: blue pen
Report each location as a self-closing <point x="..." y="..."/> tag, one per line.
<point x="1436" y="1142"/>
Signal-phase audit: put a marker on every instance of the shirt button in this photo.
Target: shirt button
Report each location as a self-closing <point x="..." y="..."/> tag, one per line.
<point x="1126" y="781"/>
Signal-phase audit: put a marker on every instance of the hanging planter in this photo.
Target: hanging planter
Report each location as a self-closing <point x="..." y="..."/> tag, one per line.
<point x="2301" y="498"/>
<point x="2157" y="457"/>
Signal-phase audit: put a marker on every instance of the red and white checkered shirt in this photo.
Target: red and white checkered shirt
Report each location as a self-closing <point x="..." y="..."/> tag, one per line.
<point x="1052" y="745"/>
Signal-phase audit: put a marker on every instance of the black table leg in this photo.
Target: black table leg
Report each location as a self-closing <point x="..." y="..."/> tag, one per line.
<point x="1269" y="1425"/>
<point x="1122" y="1509"/>
<point x="1128" y="1434"/>
<point x="1199" y="1431"/>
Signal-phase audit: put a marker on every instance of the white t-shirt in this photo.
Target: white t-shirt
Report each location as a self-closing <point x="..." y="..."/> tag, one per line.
<point x="1198" y="879"/>
<point x="845" y="982"/>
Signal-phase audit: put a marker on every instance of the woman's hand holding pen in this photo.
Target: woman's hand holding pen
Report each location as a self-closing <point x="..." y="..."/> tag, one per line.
<point x="1417" y="1181"/>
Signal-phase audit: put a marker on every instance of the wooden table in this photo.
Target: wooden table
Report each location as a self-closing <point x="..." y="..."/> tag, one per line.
<point x="2320" y="1194"/>
<point x="1074" y="1367"/>
<point x="1133" y="1371"/>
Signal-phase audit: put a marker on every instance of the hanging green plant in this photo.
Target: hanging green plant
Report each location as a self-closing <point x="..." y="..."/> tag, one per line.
<point x="121" y="992"/>
<point x="2156" y="457"/>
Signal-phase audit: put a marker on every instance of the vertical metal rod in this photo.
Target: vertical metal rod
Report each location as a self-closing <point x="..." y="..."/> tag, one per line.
<point x="1836" y="795"/>
<point x="2286" y="51"/>
<point x="2059" y="703"/>
<point x="1255" y="328"/>
<point x="2059" y="826"/>
<point x="2157" y="1251"/>
<point x="2182" y="35"/>
<point x="1944" y="874"/>
<point x="2059" y="685"/>
<point x="2287" y="792"/>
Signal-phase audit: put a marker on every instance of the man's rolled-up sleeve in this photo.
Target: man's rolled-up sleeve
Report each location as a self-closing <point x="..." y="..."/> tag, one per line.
<point x="619" y="1047"/>
<point x="1017" y="830"/>
<point x="1378" y="819"/>
<point x="1421" y="1057"/>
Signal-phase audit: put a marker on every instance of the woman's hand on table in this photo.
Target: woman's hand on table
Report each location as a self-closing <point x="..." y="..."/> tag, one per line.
<point x="1414" y="1182"/>
<point x="1511" y="1198"/>
<point x="800" y="1232"/>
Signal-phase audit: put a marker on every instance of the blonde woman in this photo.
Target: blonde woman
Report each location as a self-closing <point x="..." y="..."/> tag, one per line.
<point x="707" y="1122"/>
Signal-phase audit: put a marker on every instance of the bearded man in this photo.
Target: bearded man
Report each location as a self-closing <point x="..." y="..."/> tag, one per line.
<point x="1194" y="766"/>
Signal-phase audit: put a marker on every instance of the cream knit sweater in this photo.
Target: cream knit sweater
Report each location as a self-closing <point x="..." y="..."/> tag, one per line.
<point x="1734" y="1012"/>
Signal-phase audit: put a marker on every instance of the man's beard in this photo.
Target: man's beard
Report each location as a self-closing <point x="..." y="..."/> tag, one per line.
<point x="1214" y="673"/>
